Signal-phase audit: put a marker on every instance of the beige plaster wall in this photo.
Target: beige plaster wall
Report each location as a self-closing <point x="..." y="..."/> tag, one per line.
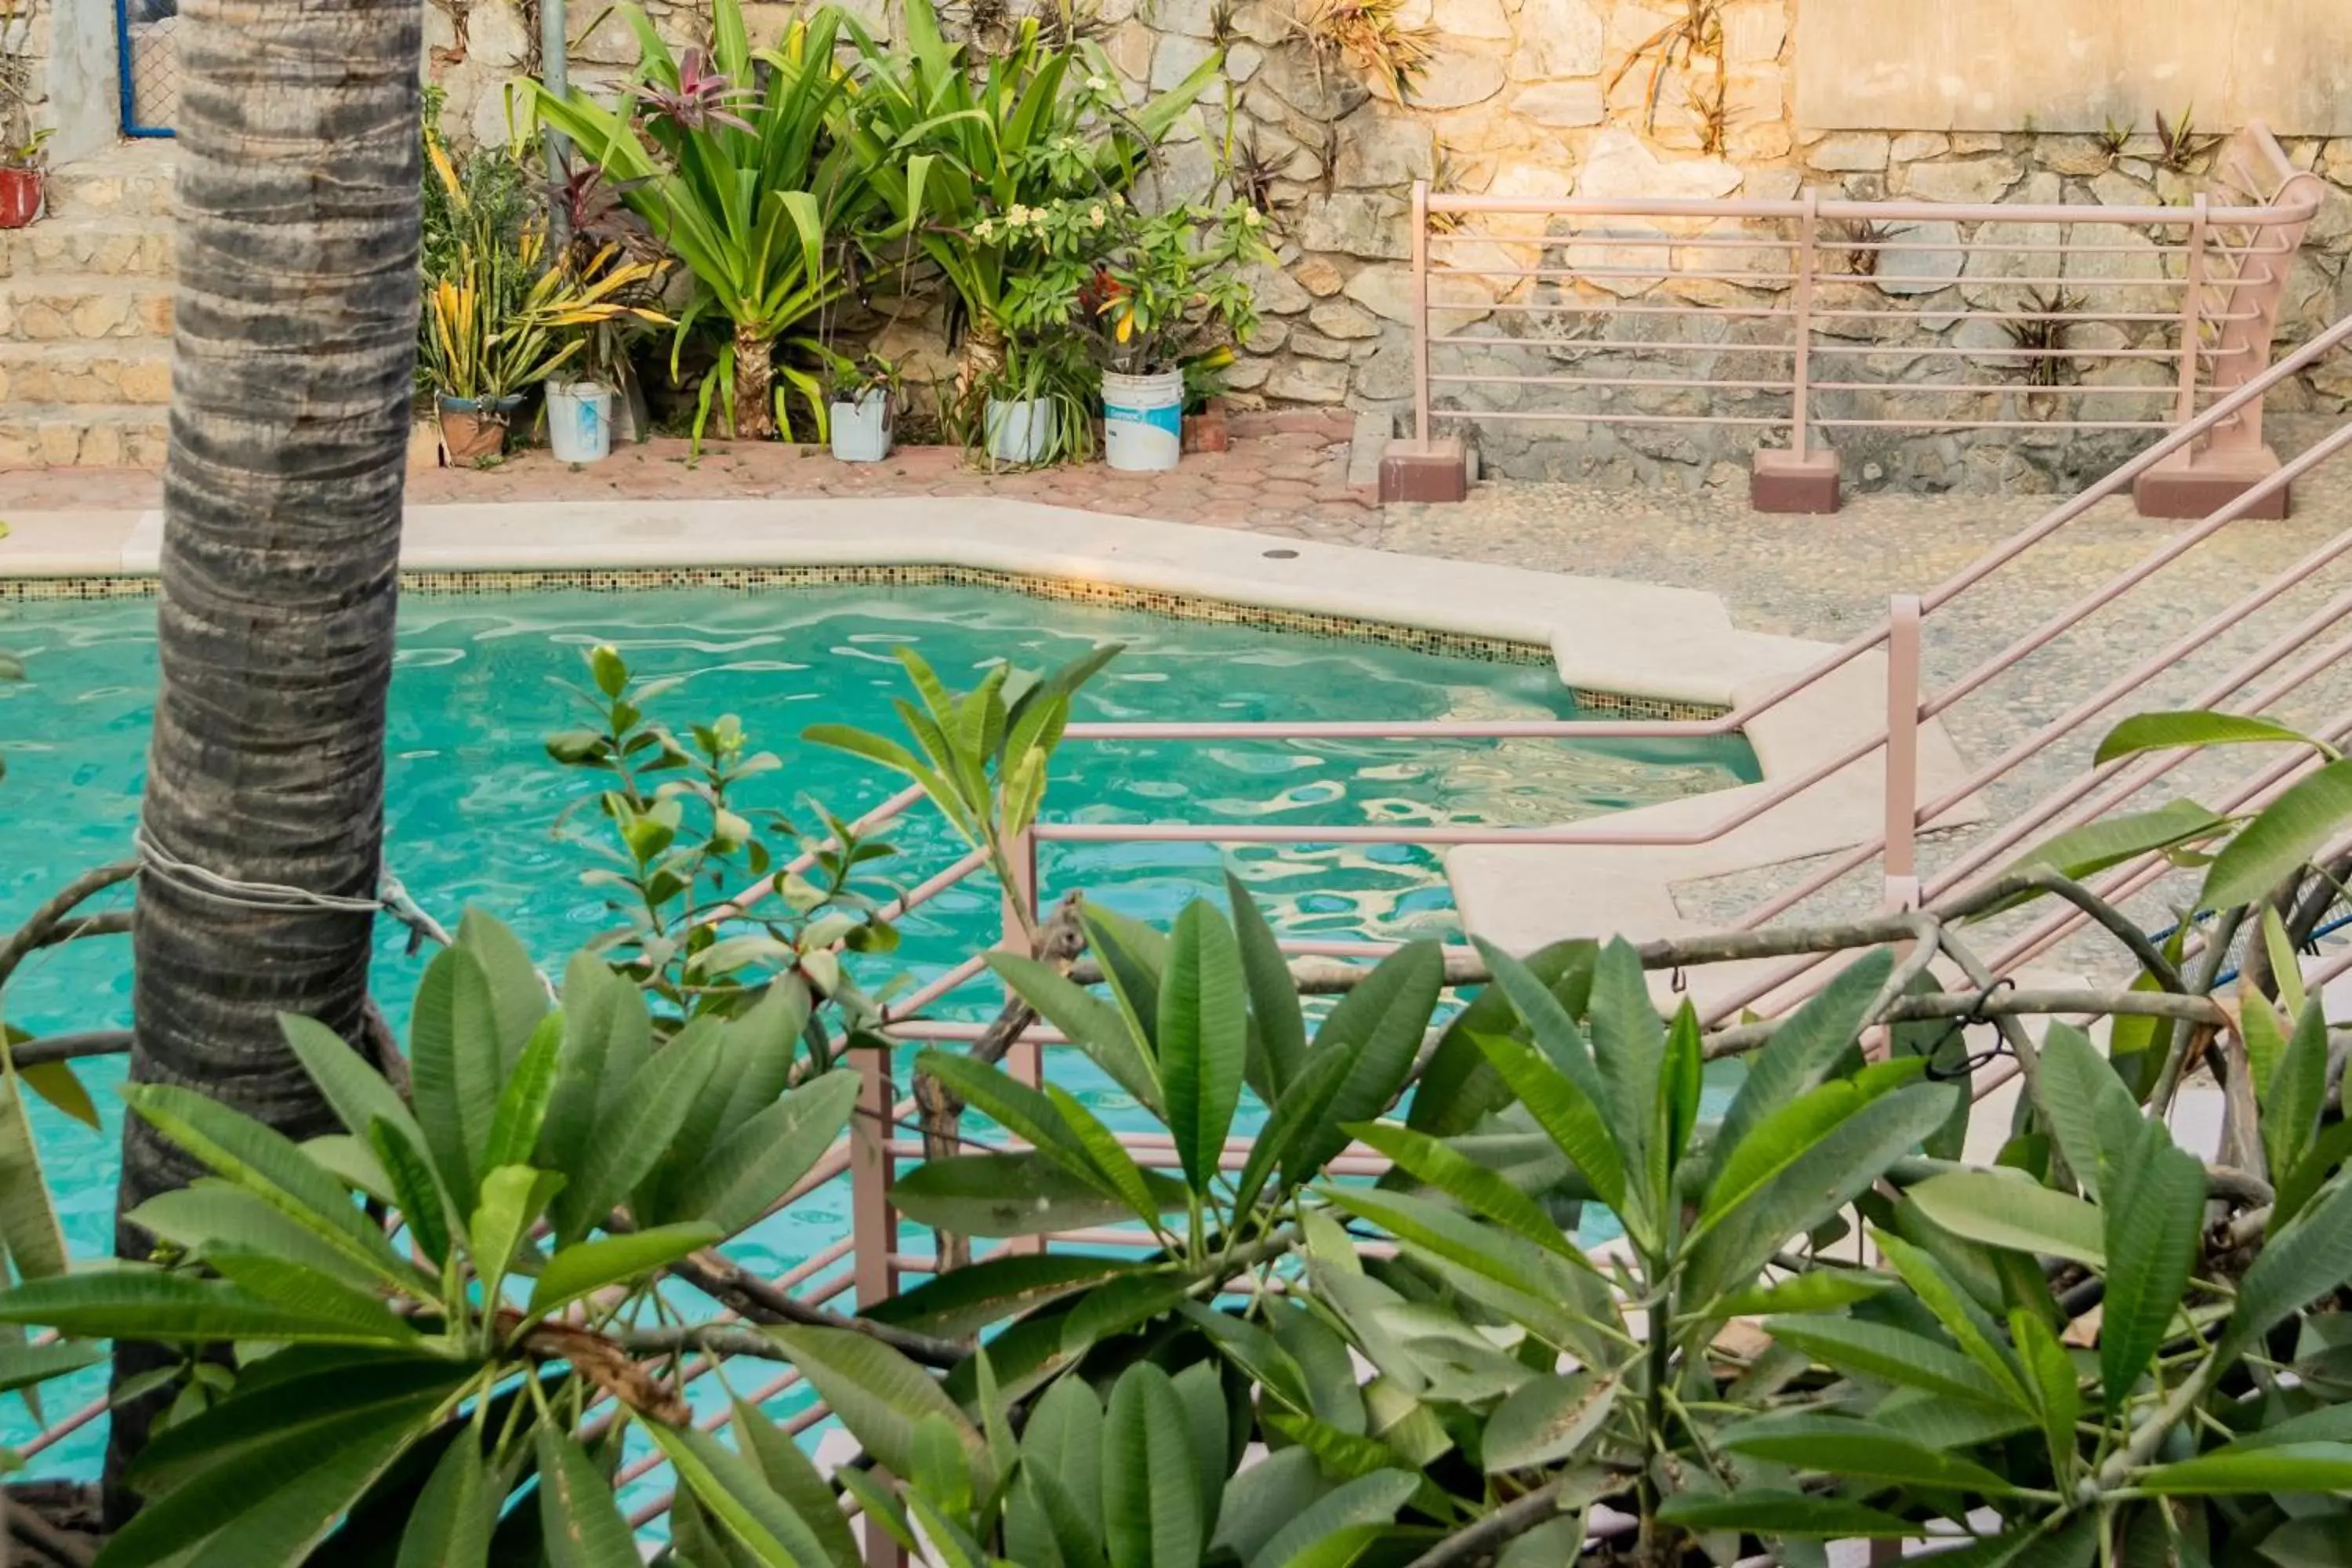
<point x="2073" y="65"/>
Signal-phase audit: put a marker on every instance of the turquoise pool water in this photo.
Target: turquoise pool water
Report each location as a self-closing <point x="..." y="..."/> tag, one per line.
<point x="472" y="800"/>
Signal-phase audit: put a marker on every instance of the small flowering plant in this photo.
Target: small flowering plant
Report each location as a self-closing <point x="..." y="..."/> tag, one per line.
<point x="1145" y="290"/>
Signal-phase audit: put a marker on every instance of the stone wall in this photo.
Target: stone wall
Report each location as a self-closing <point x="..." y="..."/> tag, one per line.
<point x="1535" y="98"/>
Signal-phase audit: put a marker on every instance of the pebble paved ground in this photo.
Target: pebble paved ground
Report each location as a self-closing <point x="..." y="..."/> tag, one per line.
<point x="1825" y="577"/>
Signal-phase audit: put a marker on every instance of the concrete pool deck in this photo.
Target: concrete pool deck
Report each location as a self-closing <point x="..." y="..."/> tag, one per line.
<point x="1672" y="644"/>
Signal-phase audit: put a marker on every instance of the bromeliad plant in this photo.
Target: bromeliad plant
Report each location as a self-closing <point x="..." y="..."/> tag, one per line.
<point x="401" y="1382"/>
<point x="732" y="160"/>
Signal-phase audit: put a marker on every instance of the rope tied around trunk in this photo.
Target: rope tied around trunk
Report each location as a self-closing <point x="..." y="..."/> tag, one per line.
<point x="280" y="898"/>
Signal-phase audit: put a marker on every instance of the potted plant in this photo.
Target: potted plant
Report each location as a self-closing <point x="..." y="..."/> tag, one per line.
<point x="1149" y="292"/>
<point x="20" y="143"/>
<point x="1034" y="408"/>
<point x="867" y="394"/>
<point x="610" y="260"/>
<point x="1205" y="401"/>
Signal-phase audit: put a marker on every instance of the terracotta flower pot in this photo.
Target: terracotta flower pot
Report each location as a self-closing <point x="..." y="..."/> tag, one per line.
<point x="20" y="197"/>
<point x="472" y="430"/>
<point x="1206" y="431"/>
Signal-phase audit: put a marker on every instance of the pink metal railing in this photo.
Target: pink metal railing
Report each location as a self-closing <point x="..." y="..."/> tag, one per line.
<point x="2195" y="291"/>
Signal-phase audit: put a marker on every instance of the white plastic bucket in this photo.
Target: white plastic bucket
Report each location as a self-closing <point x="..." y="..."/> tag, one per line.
<point x="580" y="421"/>
<point x="861" y="430"/>
<point x="1021" y="431"/>
<point x="1143" y="421"/>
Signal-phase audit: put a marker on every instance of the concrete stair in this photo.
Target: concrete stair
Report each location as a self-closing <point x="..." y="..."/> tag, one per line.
<point x="86" y="317"/>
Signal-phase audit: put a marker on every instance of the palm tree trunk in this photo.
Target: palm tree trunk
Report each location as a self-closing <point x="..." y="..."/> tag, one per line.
<point x="298" y="169"/>
<point x="755" y="407"/>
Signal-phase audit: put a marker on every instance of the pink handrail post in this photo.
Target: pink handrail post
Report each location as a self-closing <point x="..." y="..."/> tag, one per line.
<point x="1803" y="478"/>
<point x="873" y="1222"/>
<point x="2250" y="264"/>
<point x="1424" y="468"/>
<point x="2193" y="310"/>
<point x="1902" y="855"/>
<point x="1025" y="1058"/>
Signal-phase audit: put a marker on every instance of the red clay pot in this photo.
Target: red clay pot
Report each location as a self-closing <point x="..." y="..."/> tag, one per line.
<point x="20" y="197"/>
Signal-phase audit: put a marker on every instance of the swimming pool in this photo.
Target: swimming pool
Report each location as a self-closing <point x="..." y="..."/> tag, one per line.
<point x="472" y="799"/>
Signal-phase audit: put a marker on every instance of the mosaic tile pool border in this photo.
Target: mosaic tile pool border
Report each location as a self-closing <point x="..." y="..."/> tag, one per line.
<point x="1111" y="595"/>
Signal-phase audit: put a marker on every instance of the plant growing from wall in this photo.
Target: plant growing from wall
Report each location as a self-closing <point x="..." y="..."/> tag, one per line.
<point x="731" y="160"/>
<point x="1695" y="35"/>
<point x="1370" y="38"/>
<point x="2043" y="325"/>
<point x="2181" y="147"/>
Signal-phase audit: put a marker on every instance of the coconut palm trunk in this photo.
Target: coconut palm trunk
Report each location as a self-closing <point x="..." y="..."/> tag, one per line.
<point x="292" y="364"/>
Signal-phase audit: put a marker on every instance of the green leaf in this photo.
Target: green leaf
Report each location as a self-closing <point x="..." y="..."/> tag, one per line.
<point x="1132" y="956"/>
<point x="1457" y="1087"/>
<point x="2265" y="1470"/>
<point x="2306" y="1259"/>
<point x="415" y="1190"/>
<point x="1023" y="1193"/>
<point x="607" y="1036"/>
<point x="1381" y="1024"/>
<point x="2154" y="1215"/>
<point x="751" y="1171"/>
<point x="738" y="1495"/>
<point x="794" y="1478"/>
<point x="1574" y="1121"/>
<point x="1152" y="1484"/>
<point x="1280" y="1028"/>
<point x="352" y="1084"/>
<point x="2297" y="1091"/>
<point x="1548" y="1419"/>
<point x="1997" y="1209"/>
<point x="22" y="1366"/>
<point x="1861" y="1450"/>
<point x="1760" y="1511"/>
<point x="1629" y="1048"/>
<point x="318" y="1296"/>
<point x="260" y="1479"/>
<point x="523" y="1104"/>
<point x="1822" y="1290"/>
<point x="878" y="1393"/>
<point x="631" y="1136"/>
<point x="265" y="1164"/>
<point x="518" y="996"/>
<point x="513" y="1197"/>
<point x="1813" y="1183"/>
<point x="56" y="1083"/>
<point x="2282" y="837"/>
<point x="453" y="1049"/>
<point x="1971" y="1327"/>
<point x="451" y="1525"/>
<point x="1110" y="1162"/>
<point x="579" y="1515"/>
<point x="1301" y="1115"/>
<point x="1372" y="1499"/>
<point x="1020" y="1110"/>
<point x="2050" y="1376"/>
<point x="2168" y="731"/>
<point x="214" y="1215"/>
<point x="1890" y="1354"/>
<point x="1093" y="1025"/>
<point x="2093" y="1116"/>
<point x="1064" y="1440"/>
<point x="29" y="1234"/>
<point x="2095" y="846"/>
<point x="1805" y="1047"/>
<point x="588" y="1267"/>
<point x="1203" y="1039"/>
<point x="1467" y="1182"/>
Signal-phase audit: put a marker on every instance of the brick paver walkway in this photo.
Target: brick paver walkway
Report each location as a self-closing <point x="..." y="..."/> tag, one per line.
<point x="1285" y="472"/>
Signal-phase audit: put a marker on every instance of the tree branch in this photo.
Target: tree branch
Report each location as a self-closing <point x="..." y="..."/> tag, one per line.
<point x="41" y="928"/>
